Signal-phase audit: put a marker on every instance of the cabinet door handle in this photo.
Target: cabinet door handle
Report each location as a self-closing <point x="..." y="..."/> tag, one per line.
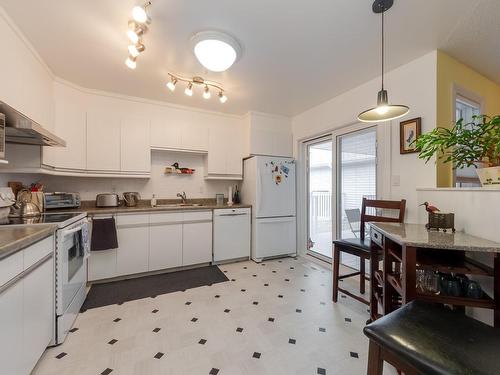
<point x="233" y="214"/>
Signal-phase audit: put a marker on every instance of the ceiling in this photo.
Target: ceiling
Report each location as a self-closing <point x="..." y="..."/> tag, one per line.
<point x="297" y="54"/>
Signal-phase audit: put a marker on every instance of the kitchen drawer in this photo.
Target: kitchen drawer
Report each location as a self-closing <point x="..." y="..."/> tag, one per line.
<point x="37" y="251"/>
<point x="198" y="215"/>
<point x="11" y="267"/>
<point x="132" y="219"/>
<point x="377" y="237"/>
<point x="166" y="218"/>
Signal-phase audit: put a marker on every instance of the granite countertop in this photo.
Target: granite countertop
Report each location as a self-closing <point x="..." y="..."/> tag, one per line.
<point x="16" y="238"/>
<point x="417" y="235"/>
<point x="145" y="206"/>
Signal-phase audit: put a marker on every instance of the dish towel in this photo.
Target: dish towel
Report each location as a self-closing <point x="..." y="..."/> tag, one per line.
<point x="103" y="234"/>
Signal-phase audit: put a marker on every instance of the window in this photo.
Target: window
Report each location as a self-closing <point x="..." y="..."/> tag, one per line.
<point x="465" y="109"/>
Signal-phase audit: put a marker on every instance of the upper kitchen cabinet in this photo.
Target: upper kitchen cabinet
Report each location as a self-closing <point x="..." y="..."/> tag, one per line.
<point x="70" y="122"/>
<point x="269" y="135"/>
<point x="225" y="150"/>
<point x="179" y="129"/>
<point x="26" y="82"/>
<point x="134" y="145"/>
<point x="103" y="141"/>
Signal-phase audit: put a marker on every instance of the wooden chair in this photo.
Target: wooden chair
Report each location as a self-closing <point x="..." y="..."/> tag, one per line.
<point x="360" y="247"/>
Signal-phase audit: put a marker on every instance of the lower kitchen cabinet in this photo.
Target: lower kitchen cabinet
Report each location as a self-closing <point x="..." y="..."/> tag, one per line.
<point x="102" y="264"/>
<point x="27" y="307"/>
<point x="38" y="314"/>
<point x="197" y="243"/>
<point x="165" y="247"/>
<point x="132" y="254"/>
<point x="11" y="328"/>
<point x="155" y="241"/>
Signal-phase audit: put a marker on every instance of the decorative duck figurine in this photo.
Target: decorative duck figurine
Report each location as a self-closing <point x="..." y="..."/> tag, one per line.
<point x="430" y="208"/>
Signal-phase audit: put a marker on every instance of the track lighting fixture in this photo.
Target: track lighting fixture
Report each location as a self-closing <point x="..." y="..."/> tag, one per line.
<point x="137" y="27"/>
<point x="199" y="81"/>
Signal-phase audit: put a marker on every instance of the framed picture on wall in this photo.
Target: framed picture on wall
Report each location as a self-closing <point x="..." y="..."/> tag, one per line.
<point x="409" y="131"/>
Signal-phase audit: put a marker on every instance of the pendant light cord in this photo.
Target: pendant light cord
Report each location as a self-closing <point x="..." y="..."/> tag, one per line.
<point x="383" y="49"/>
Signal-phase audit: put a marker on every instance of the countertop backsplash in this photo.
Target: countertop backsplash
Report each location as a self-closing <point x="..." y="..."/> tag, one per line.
<point x="163" y="186"/>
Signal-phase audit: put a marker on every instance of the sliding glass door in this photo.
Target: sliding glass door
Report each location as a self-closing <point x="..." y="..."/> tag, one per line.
<point x="319" y="185"/>
<point x="356" y="179"/>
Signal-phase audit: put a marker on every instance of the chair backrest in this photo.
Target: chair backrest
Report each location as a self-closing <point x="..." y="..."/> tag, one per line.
<point x="381" y="204"/>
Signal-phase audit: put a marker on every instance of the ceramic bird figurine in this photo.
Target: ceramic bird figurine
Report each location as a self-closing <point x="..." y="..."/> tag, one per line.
<point x="430" y="208"/>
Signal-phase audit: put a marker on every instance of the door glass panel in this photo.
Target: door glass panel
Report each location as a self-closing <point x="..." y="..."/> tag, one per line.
<point x="320" y="197"/>
<point x="357" y="169"/>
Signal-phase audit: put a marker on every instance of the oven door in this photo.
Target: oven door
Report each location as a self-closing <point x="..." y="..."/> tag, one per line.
<point x="72" y="252"/>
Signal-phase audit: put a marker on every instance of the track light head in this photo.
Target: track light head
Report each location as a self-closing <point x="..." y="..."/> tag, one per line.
<point x="131" y="63"/>
<point x="171" y="84"/>
<point x="222" y="97"/>
<point x="206" y="93"/>
<point x="189" y="89"/>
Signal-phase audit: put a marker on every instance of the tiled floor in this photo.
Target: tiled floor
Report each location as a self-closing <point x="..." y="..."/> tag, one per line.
<point x="270" y="318"/>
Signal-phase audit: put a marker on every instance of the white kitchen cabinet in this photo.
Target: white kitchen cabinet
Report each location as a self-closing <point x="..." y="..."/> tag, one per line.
<point x="194" y="137"/>
<point x="196" y="243"/>
<point x="225" y="152"/>
<point x="165" y="134"/>
<point x="133" y="244"/>
<point x="70" y="123"/>
<point x="103" y="141"/>
<point x="134" y="145"/>
<point x="11" y="328"/>
<point x="102" y="264"/>
<point x="269" y="135"/>
<point x="38" y="312"/>
<point x="165" y="240"/>
<point x="26" y="306"/>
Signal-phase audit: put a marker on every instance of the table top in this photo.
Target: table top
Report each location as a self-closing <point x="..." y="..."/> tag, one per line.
<point x="416" y="235"/>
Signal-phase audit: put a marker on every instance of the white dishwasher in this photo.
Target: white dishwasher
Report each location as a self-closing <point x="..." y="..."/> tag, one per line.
<point x="231" y="234"/>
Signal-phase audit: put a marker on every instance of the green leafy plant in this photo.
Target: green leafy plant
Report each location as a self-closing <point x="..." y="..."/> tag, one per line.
<point x="465" y="144"/>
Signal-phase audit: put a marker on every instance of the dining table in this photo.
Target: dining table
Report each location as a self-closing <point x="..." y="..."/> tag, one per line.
<point x="403" y="250"/>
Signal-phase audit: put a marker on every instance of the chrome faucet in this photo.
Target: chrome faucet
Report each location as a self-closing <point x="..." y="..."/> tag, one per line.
<point x="182" y="196"/>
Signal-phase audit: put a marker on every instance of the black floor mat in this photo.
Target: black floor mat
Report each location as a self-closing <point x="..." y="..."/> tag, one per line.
<point x="150" y="286"/>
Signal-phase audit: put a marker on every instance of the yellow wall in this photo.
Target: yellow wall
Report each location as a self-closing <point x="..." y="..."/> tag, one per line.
<point x="451" y="72"/>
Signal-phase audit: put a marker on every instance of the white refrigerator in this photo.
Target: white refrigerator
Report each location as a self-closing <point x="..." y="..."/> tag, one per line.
<point x="269" y="186"/>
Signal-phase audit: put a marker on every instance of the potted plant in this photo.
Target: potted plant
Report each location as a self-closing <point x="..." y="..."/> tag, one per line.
<point x="476" y="143"/>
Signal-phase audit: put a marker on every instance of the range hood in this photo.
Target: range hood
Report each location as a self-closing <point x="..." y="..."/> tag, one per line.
<point x="23" y="130"/>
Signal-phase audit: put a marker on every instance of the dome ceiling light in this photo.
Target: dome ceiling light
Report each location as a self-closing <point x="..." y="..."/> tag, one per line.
<point x="383" y="111"/>
<point x="137" y="27"/>
<point x="215" y="50"/>
<point x="198" y="81"/>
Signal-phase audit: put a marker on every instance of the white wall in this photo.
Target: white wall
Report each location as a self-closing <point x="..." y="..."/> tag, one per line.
<point x="164" y="186"/>
<point x="413" y="84"/>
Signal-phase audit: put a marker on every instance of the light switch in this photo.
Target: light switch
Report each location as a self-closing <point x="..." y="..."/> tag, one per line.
<point x="396" y="180"/>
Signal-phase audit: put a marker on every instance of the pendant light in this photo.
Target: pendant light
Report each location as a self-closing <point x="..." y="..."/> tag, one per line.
<point x="383" y="111"/>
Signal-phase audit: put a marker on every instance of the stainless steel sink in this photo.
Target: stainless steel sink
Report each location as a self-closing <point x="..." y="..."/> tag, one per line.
<point x="175" y="205"/>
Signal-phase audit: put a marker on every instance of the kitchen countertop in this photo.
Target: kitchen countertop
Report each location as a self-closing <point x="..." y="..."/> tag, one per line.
<point x="145" y="206"/>
<point x="416" y="235"/>
<point x="16" y="238"/>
